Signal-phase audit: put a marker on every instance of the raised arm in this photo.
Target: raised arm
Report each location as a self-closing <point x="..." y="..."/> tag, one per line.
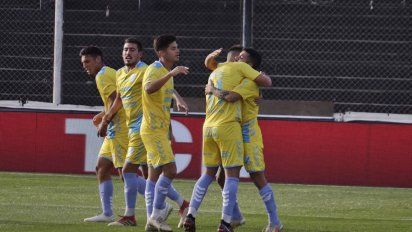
<point x="210" y="61"/>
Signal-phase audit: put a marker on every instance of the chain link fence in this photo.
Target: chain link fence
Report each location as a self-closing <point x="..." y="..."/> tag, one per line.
<point x="200" y="26"/>
<point x="354" y="53"/>
<point x="26" y="50"/>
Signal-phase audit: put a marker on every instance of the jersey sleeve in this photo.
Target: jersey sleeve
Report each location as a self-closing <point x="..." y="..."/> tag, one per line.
<point x="248" y="72"/>
<point x="106" y="84"/>
<point x="247" y="89"/>
<point x="151" y="74"/>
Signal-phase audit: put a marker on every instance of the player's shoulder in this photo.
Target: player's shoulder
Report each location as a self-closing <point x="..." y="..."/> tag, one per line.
<point x="156" y="65"/>
<point x="106" y="71"/>
<point x="141" y="64"/>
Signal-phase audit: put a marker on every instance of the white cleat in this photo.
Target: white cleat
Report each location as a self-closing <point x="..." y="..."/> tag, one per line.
<point x="150" y="228"/>
<point x="276" y="228"/>
<point x="159" y="224"/>
<point x="237" y="223"/>
<point x="100" y="218"/>
<point x="166" y="212"/>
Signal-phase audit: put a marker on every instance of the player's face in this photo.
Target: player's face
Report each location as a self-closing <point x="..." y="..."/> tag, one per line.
<point x="131" y="55"/>
<point x="234" y="56"/>
<point x="172" y="53"/>
<point x="91" y="64"/>
<point x="244" y="57"/>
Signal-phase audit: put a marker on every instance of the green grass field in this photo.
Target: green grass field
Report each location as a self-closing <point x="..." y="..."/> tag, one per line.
<point x="45" y="202"/>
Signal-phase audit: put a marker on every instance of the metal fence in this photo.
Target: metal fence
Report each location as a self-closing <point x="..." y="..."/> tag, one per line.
<point x="354" y="53"/>
<point x="26" y="50"/>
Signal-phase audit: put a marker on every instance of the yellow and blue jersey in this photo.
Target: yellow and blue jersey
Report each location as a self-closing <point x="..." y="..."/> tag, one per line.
<point x="129" y="85"/>
<point x="106" y="84"/>
<point x="156" y="106"/>
<point x="226" y="77"/>
<point x="249" y="91"/>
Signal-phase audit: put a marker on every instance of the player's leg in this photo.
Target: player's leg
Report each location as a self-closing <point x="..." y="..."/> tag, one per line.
<point x="104" y="168"/>
<point x="161" y="173"/>
<point x="255" y="165"/>
<point x="237" y="217"/>
<point x="211" y="160"/>
<point x="131" y="181"/>
<point x="231" y="146"/>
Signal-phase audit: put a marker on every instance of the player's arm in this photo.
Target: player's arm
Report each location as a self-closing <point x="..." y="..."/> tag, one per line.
<point x="210" y="61"/>
<point x="263" y="80"/>
<point x="116" y="104"/>
<point x="180" y="103"/>
<point x="154" y="86"/>
<point x="226" y="95"/>
<point x="98" y="118"/>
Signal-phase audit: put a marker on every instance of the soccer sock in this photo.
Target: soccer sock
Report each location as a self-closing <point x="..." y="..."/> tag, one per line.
<point x="173" y="195"/>
<point x="269" y="199"/>
<point x="161" y="189"/>
<point x="149" y="196"/>
<point x="199" y="192"/>
<point x="130" y="192"/>
<point x="229" y="195"/>
<point x="237" y="215"/>
<point x="106" y="197"/>
<point x="141" y="185"/>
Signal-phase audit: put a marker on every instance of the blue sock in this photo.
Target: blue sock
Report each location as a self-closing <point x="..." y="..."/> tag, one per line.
<point x="106" y="196"/>
<point x="269" y="199"/>
<point x="175" y="196"/>
<point x="237" y="215"/>
<point x="130" y="192"/>
<point x="149" y="196"/>
<point x="229" y="195"/>
<point x="161" y="190"/>
<point x="141" y="185"/>
<point x="199" y="192"/>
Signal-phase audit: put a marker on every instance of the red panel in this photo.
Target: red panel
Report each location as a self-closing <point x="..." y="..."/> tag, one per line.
<point x="295" y="151"/>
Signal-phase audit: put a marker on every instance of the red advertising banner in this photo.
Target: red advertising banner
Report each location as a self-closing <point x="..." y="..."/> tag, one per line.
<point x="310" y="152"/>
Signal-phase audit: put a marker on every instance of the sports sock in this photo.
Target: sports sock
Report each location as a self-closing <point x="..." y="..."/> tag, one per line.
<point x="268" y="198"/>
<point x="130" y="192"/>
<point x="141" y="185"/>
<point x="149" y="196"/>
<point x="161" y="190"/>
<point x="199" y="192"/>
<point x="175" y="196"/>
<point x="106" y="197"/>
<point x="229" y="195"/>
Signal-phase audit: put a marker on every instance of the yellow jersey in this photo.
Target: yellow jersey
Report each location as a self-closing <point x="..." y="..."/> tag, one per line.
<point x="249" y="91"/>
<point x="226" y="77"/>
<point x="129" y="85"/>
<point x="106" y="84"/>
<point x="156" y="106"/>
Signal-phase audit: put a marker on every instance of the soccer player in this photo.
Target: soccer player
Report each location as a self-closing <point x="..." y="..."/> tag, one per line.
<point x="129" y="95"/>
<point x="254" y="162"/>
<point x="156" y="100"/>
<point x="222" y="140"/>
<point x="114" y="147"/>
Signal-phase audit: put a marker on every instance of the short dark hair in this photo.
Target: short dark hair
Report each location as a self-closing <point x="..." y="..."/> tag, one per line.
<point x="163" y="41"/>
<point x="91" y="51"/>
<point x="236" y="48"/>
<point x="134" y="40"/>
<point x="254" y="57"/>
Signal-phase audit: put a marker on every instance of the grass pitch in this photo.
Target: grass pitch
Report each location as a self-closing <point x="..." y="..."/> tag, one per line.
<point x="47" y="202"/>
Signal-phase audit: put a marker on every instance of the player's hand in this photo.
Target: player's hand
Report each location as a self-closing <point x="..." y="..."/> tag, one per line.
<point x="179" y="70"/>
<point x="216" y="53"/>
<point x="102" y="129"/>
<point x="209" y="89"/>
<point x="182" y="106"/>
<point x="97" y="119"/>
<point x="259" y="100"/>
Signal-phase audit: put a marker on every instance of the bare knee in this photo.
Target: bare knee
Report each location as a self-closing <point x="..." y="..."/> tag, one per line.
<point x="259" y="179"/>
